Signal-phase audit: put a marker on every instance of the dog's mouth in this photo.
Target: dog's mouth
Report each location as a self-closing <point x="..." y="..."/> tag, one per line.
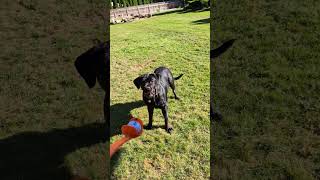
<point x="149" y="96"/>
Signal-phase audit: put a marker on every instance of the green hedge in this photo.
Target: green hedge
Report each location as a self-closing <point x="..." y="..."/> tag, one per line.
<point x="126" y="3"/>
<point x="197" y="4"/>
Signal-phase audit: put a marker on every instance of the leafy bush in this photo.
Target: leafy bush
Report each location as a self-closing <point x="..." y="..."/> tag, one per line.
<point x="197" y="4"/>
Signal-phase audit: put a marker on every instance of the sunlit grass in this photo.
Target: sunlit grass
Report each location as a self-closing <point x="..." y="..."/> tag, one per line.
<point x="179" y="42"/>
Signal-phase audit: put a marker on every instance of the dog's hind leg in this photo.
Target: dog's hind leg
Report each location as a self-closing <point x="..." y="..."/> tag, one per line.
<point x="174" y="92"/>
<point x="168" y="128"/>
<point x="173" y="87"/>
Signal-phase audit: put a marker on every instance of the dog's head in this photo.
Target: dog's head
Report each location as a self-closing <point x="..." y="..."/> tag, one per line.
<point x="148" y="83"/>
<point x="92" y="64"/>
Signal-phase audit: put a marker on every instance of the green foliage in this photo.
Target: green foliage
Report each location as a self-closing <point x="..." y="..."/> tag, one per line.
<point x="197" y="4"/>
<point x="116" y="3"/>
<point x="127" y="3"/>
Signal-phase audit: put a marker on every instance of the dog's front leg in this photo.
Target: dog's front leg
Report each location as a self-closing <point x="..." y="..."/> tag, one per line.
<point x="215" y="116"/>
<point x="150" y="111"/>
<point x="164" y="110"/>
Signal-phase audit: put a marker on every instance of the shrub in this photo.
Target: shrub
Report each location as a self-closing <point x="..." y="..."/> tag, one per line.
<point x="197" y="4"/>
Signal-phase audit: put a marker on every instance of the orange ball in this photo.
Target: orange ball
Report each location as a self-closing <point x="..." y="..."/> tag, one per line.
<point x="133" y="129"/>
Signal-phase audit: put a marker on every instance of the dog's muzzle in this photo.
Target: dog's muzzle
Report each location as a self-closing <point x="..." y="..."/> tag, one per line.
<point x="149" y="95"/>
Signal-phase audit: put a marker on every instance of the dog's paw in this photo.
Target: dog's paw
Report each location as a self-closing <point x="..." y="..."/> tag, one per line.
<point x="169" y="129"/>
<point x="149" y="126"/>
<point x="216" y="117"/>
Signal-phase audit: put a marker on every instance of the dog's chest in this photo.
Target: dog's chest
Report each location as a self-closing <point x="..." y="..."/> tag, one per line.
<point x="160" y="102"/>
<point x="161" y="96"/>
<point x="157" y="102"/>
<point x="160" y="99"/>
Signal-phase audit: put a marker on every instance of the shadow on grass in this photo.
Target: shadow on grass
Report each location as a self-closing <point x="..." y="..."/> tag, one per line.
<point x="201" y="21"/>
<point x="114" y="162"/>
<point x="154" y="127"/>
<point x="180" y="11"/>
<point x="119" y="114"/>
<point x="168" y="12"/>
<point x="40" y="155"/>
<point x="194" y="10"/>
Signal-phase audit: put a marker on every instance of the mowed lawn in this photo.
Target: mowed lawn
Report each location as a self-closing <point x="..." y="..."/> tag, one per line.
<point x="51" y="123"/>
<point x="267" y="87"/>
<point x="179" y="41"/>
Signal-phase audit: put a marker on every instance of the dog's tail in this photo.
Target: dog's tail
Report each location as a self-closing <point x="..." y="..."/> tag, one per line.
<point x="176" y="78"/>
<point x="225" y="46"/>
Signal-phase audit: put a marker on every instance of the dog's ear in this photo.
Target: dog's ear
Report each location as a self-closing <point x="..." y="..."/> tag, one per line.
<point x="138" y="81"/>
<point x="92" y="65"/>
<point x="86" y="66"/>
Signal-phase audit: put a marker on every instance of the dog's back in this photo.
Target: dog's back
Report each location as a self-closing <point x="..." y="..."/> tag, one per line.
<point x="162" y="70"/>
<point x="166" y="74"/>
<point x="220" y="50"/>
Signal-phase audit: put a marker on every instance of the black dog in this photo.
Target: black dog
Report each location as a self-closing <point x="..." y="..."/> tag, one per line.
<point x="155" y="88"/>
<point x="93" y="65"/>
<point x="213" y="54"/>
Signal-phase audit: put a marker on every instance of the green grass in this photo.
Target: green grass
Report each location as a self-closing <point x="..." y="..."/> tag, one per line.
<point x="179" y="41"/>
<point x="267" y="88"/>
<point x="50" y="123"/>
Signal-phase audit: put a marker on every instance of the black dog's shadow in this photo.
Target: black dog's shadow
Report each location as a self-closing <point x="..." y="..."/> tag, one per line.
<point x="119" y="115"/>
<point x="40" y="155"/>
<point x="154" y="127"/>
<point x="201" y="21"/>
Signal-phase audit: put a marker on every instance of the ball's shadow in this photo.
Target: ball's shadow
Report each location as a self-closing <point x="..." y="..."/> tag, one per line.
<point x="119" y="115"/>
